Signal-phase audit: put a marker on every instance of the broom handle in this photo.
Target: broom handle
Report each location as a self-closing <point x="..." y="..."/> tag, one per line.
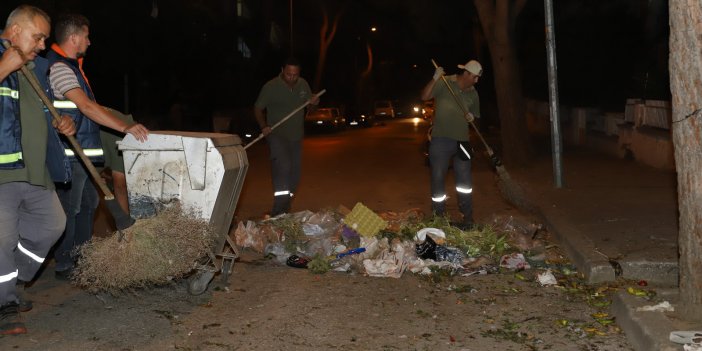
<point x="477" y="132"/>
<point x="32" y="79"/>
<point x="260" y="136"/>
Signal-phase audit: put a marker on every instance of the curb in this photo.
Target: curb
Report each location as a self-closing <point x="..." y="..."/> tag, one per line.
<point x="580" y="249"/>
<point x="646" y="331"/>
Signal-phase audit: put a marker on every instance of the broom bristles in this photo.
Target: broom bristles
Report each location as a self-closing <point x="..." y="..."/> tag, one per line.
<point x="512" y="192"/>
<point x="153" y="251"/>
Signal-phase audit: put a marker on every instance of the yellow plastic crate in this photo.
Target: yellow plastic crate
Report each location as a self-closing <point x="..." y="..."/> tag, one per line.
<point x="364" y="221"/>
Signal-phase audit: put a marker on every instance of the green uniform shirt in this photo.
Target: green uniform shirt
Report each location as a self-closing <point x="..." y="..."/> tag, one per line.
<point x="449" y="121"/>
<point x="35" y="133"/>
<point x="279" y="100"/>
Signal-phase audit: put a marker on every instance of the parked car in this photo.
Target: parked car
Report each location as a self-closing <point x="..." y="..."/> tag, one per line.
<point x="325" y="118"/>
<point x="384" y="108"/>
<point x="360" y="119"/>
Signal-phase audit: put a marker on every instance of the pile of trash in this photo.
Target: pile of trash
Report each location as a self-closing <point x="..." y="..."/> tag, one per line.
<point x="390" y="243"/>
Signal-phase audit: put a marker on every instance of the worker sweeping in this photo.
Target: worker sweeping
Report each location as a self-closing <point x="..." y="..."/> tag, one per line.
<point x="277" y="97"/>
<point x="450" y="136"/>
<point x="73" y="96"/>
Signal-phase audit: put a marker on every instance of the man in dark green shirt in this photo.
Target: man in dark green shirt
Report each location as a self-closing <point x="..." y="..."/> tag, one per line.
<point x="450" y="134"/>
<point x="31" y="217"/>
<point x="278" y="97"/>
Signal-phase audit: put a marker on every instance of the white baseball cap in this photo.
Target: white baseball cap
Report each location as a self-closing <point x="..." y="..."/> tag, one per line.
<point x="473" y="66"/>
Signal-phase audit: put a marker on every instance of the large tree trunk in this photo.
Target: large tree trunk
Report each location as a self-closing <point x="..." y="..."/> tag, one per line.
<point x="686" y="88"/>
<point x="326" y="35"/>
<point x="497" y="18"/>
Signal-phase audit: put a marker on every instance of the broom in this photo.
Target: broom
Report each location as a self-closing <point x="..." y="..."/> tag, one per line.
<point x="510" y="190"/>
<point x="122" y="219"/>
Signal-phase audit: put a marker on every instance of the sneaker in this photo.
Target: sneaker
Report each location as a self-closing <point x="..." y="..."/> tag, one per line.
<point x="10" y="321"/>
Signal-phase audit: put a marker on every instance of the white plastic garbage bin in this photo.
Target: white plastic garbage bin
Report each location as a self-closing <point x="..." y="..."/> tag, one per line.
<point x="204" y="171"/>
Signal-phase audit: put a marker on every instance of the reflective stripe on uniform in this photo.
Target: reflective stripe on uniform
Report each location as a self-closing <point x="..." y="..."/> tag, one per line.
<point x="9" y="158"/>
<point x="88" y="152"/>
<point x="4" y="91"/>
<point x="439" y="199"/>
<point x="281" y="193"/>
<point x="65" y="104"/>
<point x="464" y="190"/>
<point x="30" y="254"/>
<point x="465" y="152"/>
<point x="7" y="277"/>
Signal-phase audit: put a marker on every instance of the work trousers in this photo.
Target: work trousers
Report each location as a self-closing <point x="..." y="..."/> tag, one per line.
<point x="286" y="160"/>
<point x="441" y="152"/>
<point x="31" y="220"/>
<point x="79" y="199"/>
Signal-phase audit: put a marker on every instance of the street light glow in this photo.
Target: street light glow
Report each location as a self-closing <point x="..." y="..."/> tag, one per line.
<point x="373" y="29"/>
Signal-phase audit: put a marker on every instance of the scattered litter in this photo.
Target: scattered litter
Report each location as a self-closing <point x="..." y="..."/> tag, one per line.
<point x="364" y="221"/>
<point x="388" y="265"/>
<point x="297" y="261"/>
<point x="278" y="251"/>
<point x="664" y="306"/>
<point x="640" y="292"/>
<point x="514" y="261"/>
<point x="351" y="252"/>
<point x="686" y="337"/>
<point x="435" y="232"/>
<point x="546" y="278"/>
<point x="321" y="223"/>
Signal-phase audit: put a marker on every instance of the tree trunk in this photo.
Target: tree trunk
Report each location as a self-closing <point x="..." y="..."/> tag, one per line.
<point x="326" y="35"/>
<point x="686" y="88"/>
<point x="497" y="19"/>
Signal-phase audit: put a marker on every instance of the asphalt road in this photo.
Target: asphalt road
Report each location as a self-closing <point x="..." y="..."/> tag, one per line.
<point x="383" y="167"/>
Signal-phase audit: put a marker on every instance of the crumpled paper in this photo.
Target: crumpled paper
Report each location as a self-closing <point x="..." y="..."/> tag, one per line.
<point x="383" y="259"/>
<point x="389" y="264"/>
<point x="546" y="278"/>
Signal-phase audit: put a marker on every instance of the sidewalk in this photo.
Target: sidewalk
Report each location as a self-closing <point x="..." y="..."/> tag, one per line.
<point x="615" y="218"/>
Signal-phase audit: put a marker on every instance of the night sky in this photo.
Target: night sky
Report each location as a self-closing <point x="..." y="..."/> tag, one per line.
<point x="201" y="53"/>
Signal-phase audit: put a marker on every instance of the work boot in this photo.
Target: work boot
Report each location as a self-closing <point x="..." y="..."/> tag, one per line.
<point x="10" y="320"/>
<point x="24" y="304"/>
<point x="281" y="204"/>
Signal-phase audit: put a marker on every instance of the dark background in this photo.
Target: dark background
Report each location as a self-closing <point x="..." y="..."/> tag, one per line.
<point x="208" y="55"/>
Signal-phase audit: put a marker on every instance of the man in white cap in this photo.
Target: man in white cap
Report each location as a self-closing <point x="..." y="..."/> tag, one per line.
<point x="450" y="136"/>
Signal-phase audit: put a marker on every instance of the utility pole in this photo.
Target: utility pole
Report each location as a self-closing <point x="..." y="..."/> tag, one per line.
<point x="556" y="140"/>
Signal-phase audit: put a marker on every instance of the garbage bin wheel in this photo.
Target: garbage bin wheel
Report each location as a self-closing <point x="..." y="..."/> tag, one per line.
<point x="198" y="282"/>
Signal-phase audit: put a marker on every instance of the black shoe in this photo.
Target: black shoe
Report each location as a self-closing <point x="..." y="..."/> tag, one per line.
<point x="65" y="275"/>
<point x="24" y="305"/>
<point x="10" y="321"/>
